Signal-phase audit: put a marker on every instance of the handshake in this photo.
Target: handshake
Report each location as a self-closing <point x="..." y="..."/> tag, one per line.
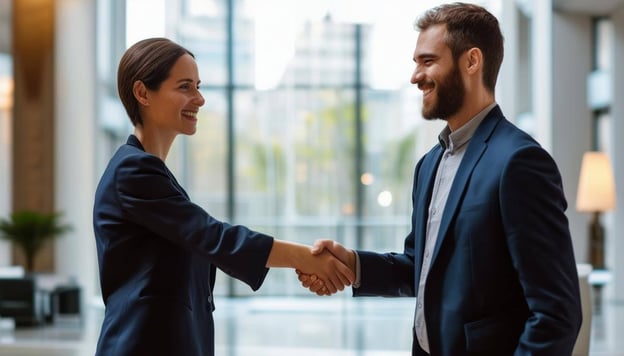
<point x="330" y="270"/>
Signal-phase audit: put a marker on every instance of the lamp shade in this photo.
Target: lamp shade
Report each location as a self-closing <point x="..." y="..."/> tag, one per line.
<point x="6" y="93"/>
<point x="596" y="189"/>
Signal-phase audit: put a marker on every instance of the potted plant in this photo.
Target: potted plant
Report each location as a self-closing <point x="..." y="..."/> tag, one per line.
<point x="30" y="230"/>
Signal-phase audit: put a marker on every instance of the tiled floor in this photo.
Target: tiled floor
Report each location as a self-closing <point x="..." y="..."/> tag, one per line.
<point x="310" y="326"/>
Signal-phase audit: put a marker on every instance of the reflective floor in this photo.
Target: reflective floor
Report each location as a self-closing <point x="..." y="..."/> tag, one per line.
<point x="311" y="326"/>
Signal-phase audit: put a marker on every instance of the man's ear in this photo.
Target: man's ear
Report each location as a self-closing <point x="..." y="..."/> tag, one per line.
<point x="474" y="60"/>
<point x="140" y="93"/>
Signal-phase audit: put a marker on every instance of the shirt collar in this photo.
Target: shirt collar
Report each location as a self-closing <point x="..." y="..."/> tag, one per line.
<point x="453" y="140"/>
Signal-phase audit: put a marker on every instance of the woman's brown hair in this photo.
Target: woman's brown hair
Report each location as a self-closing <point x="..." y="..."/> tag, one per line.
<point x="149" y="61"/>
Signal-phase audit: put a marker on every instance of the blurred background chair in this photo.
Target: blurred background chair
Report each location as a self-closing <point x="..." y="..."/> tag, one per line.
<point x="581" y="348"/>
<point x="66" y="304"/>
<point x="19" y="301"/>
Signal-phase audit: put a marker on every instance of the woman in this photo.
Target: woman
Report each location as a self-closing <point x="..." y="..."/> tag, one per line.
<point x="157" y="251"/>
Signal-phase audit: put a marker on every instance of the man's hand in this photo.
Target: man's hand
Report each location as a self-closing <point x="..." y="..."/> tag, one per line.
<point x="330" y="271"/>
<point x="313" y="282"/>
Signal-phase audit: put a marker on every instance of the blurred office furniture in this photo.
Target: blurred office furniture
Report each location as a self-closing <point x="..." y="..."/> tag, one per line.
<point x="596" y="194"/>
<point x="65" y="305"/>
<point x="19" y="301"/>
<point x="581" y="348"/>
<point x="35" y="299"/>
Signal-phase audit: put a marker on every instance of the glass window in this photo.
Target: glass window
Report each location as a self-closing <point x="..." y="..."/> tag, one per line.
<point x="140" y="26"/>
<point x="205" y="173"/>
<point x="294" y="153"/>
<point x="206" y="37"/>
<point x="311" y="128"/>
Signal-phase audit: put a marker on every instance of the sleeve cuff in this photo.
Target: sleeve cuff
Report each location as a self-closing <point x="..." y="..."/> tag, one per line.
<point x="358" y="271"/>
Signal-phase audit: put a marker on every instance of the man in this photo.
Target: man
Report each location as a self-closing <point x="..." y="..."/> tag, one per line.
<point x="489" y="256"/>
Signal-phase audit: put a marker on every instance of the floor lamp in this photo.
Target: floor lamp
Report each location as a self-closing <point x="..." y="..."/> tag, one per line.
<point x="595" y="195"/>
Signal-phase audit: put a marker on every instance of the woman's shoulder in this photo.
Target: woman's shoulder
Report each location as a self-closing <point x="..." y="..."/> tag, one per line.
<point x="132" y="162"/>
<point x="132" y="155"/>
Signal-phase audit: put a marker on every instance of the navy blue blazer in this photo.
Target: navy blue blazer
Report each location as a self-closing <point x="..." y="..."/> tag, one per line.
<point x="503" y="277"/>
<point x="158" y="253"/>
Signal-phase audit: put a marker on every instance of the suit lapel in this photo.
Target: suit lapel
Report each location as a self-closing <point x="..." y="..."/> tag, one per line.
<point x="474" y="151"/>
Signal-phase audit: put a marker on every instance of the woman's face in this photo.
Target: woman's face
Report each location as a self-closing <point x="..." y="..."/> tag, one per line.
<point x="174" y="106"/>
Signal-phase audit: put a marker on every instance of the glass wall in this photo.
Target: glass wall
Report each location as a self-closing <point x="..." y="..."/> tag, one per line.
<point x="311" y="128"/>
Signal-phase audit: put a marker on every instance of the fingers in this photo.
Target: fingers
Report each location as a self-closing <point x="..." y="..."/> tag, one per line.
<point x="319" y="288"/>
<point x="312" y="283"/>
<point x="320" y="245"/>
<point x="346" y="278"/>
<point x="330" y="272"/>
<point x="330" y="269"/>
<point x="332" y="284"/>
<point x="345" y="255"/>
<point x="341" y="273"/>
<point x="307" y="280"/>
<point x="337" y="274"/>
<point x="346" y="270"/>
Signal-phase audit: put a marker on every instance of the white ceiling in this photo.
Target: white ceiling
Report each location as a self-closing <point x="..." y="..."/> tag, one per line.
<point x="591" y="7"/>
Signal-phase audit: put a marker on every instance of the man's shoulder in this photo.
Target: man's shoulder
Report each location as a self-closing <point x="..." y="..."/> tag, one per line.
<point x="510" y="133"/>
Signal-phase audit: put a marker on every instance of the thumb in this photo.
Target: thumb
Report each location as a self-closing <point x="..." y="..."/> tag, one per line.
<point x="320" y="245"/>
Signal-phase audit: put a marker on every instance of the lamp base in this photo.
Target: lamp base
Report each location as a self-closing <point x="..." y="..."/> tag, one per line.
<point x="597" y="299"/>
<point x="596" y="242"/>
<point x="598" y="278"/>
<point x="596" y="258"/>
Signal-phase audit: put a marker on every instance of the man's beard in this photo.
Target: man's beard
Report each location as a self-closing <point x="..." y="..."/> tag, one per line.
<point x="450" y="97"/>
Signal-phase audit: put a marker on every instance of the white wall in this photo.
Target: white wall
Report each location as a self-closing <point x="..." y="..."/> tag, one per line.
<point x="542" y="65"/>
<point x="75" y="139"/>
<point x="615" y="239"/>
<point x="560" y="63"/>
<point x="507" y="79"/>
<point x="571" y="115"/>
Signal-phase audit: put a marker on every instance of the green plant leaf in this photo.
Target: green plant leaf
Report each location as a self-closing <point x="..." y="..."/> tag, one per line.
<point x="30" y="230"/>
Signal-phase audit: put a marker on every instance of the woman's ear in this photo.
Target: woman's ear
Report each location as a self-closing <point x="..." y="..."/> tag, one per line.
<point x="140" y="93"/>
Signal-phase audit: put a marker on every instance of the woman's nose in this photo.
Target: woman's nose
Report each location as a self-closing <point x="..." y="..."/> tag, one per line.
<point x="199" y="99"/>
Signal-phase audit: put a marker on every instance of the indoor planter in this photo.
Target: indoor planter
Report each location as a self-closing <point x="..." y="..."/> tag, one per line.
<point x="30" y="230"/>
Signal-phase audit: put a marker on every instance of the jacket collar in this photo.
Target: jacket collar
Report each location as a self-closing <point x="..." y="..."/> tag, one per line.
<point x="134" y="141"/>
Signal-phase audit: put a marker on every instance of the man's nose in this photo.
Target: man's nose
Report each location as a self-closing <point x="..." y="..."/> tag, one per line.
<point x="417" y="76"/>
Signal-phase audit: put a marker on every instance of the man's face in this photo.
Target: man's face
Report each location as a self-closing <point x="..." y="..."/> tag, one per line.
<point x="437" y="75"/>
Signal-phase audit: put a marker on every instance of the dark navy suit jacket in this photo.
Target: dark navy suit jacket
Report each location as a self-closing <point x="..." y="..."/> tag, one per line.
<point x="503" y="278"/>
<point x="158" y="253"/>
